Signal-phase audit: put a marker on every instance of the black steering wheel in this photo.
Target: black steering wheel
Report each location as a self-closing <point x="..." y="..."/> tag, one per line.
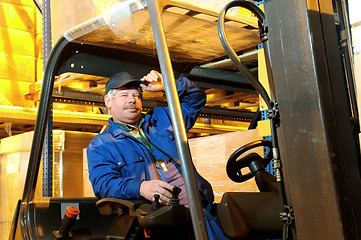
<point x="235" y="166"/>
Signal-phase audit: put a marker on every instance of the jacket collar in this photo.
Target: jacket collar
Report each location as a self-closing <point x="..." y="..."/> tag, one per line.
<point x="117" y="131"/>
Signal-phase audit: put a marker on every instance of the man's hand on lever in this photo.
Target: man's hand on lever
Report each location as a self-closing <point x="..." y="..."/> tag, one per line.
<point x="153" y="82"/>
<point x="149" y="188"/>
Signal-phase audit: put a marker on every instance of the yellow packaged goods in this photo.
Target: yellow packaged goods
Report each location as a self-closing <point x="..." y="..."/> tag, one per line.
<point x="29" y="3"/>
<point x="38" y="22"/>
<point x="18" y="42"/>
<point x="18" y="17"/>
<point x="38" y="46"/>
<point x="16" y="98"/>
<point x="17" y="67"/>
<point x="39" y="69"/>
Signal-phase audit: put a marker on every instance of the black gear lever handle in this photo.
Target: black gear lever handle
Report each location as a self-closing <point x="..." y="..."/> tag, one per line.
<point x="175" y="200"/>
<point x="156" y="204"/>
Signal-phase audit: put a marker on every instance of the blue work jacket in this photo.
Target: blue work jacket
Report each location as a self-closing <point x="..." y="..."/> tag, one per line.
<point x="118" y="163"/>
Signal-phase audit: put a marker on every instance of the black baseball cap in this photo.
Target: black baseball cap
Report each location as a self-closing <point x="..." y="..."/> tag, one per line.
<point x="119" y="80"/>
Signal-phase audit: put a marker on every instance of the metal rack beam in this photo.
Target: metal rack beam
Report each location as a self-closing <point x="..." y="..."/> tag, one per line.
<point x="22" y="115"/>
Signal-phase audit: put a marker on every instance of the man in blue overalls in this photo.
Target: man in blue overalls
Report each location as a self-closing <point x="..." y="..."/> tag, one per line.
<point x="136" y="157"/>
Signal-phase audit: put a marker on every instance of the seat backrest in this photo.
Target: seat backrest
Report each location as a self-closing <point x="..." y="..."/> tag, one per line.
<point x="247" y="215"/>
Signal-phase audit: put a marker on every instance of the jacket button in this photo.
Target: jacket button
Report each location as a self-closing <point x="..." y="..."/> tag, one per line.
<point x="170" y="136"/>
<point x="119" y="163"/>
<point x="140" y="158"/>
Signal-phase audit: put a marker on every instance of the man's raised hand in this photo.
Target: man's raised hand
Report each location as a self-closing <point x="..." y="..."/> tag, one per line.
<point x="153" y="82"/>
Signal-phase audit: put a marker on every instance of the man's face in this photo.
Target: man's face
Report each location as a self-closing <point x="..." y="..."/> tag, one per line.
<point x="126" y="106"/>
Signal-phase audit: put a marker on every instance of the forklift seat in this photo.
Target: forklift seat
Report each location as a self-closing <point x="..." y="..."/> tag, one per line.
<point x="250" y="215"/>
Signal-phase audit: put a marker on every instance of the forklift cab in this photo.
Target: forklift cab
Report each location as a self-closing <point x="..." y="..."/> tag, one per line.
<point x="94" y="48"/>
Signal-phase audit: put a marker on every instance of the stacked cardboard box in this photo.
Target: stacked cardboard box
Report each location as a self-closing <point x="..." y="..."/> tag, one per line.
<point x="210" y="155"/>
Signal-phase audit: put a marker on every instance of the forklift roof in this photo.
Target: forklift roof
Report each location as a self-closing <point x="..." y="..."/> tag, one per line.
<point x="190" y="30"/>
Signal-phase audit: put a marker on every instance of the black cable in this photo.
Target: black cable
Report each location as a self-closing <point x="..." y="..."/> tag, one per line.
<point x="256" y="117"/>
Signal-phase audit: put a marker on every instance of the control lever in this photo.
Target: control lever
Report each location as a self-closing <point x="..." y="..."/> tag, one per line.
<point x="174" y="199"/>
<point x="68" y="221"/>
<point x="157" y="215"/>
<point x="156" y="204"/>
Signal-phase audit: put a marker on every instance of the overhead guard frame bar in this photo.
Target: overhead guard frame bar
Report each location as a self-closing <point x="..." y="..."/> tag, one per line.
<point x="177" y="122"/>
<point x="53" y="65"/>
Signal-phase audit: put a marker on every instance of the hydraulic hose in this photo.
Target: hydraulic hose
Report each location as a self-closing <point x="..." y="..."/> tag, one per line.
<point x="231" y="53"/>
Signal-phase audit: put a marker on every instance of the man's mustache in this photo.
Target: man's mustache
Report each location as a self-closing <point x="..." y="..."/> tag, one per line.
<point x="131" y="105"/>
